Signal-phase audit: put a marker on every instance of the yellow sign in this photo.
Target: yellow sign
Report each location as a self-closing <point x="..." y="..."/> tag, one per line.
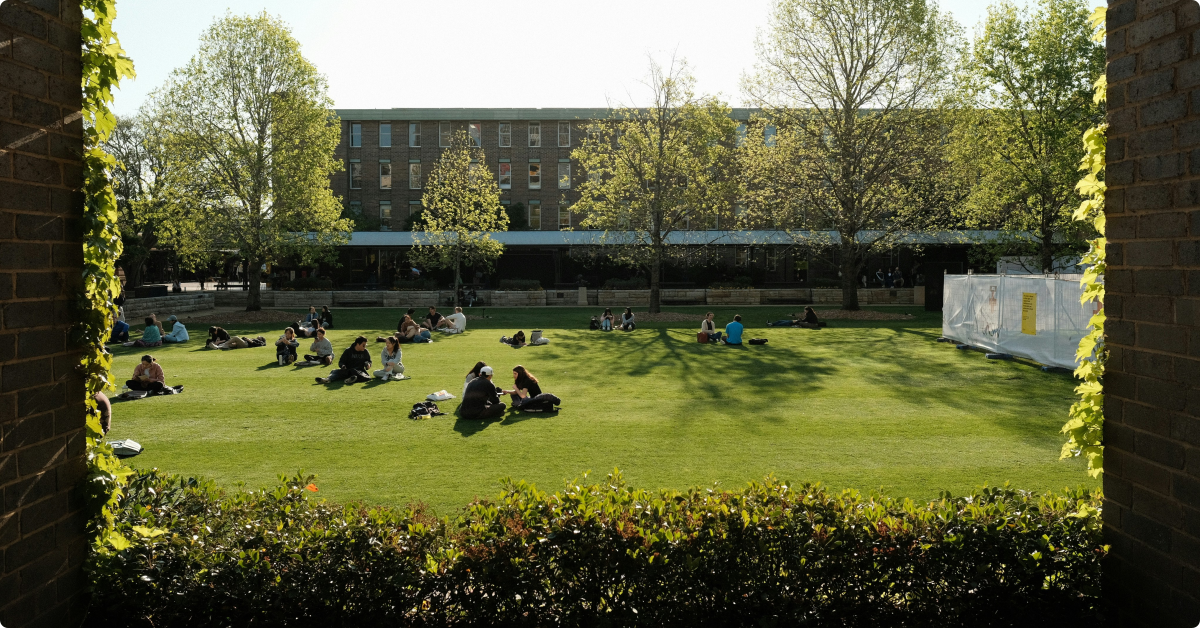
<point x="1029" y="313"/>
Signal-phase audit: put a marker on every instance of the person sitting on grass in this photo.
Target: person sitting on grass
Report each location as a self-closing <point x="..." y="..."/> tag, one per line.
<point x="607" y="319"/>
<point x="151" y="335"/>
<point x="322" y="350"/>
<point x="148" y="376"/>
<point x="472" y="375"/>
<point x="312" y="319"/>
<point x="120" y="332"/>
<point x="216" y="336"/>
<point x="809" y="320"/>
<point x="326" y="319"/>
<point x="104" y="408"/>
<point x="285" y="347"/>
<point x="709" y="326"/>
<point x="352" y="366"/>
<point x="628" y="320"/>
<point x="481" y="400"/>
<point x="456" y="323"/>
<point x="733" y="331"/>
<point x="432" y="319"/>
<point x="517" y="340"/>
<point x="389" y="358"/>
<point x="406" y="330"/>
<point x="178" y="333"/>
<point x="527" y="394"/>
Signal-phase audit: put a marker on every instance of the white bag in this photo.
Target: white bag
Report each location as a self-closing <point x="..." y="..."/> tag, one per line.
<point x="125" y="447"/>
<point x="440" y="395"/>
<point x="541" y="341"/>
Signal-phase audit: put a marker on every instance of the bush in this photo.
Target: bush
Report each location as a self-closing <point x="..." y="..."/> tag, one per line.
<point x="740" y="282"/>
<point x="600" y="554"/>
<point x="415" y="284"/>
<point x="636" y="283"/>
<point x="309" y="283"/>
<point x="827" y="283"/>
<point x="520" y="284"/>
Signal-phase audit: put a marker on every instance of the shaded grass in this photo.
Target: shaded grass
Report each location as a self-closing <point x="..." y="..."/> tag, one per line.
<point x="865" y="404"/>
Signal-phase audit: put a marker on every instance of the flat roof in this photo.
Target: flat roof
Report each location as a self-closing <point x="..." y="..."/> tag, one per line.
<point x="694" y="238"/>
<point x="472" y="114"/>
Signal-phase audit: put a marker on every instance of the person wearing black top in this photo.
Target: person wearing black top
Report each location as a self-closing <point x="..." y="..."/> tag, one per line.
<point x="326" y="317"/>
<point x="525" y="386"/>
<point x="352" y="366"/>
<point x="431" y="319"/>
<point x="481" y="400"/>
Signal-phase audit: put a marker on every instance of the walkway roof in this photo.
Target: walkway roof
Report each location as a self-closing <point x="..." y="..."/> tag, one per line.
<point x="696" y="238"/>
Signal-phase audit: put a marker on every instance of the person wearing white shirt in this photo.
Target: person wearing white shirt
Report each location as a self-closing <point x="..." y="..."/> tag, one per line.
<point x="456" y="323"/>
<point x="178" y="331"/>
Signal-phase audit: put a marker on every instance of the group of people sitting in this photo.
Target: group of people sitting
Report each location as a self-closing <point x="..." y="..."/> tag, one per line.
<point x="608" y="322"/>
<point x="409" y="330"/>
<point x="355" y="363"/>
<point x="307" y="327"/>
<point x="154" y="335"/>
<point x="808" y="320"/>
<point x="481" y="397"/>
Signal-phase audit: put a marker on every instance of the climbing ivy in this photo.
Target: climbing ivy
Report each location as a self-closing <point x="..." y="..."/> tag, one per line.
<point x="104" y="65"/>
<point x="1085" y="429"/>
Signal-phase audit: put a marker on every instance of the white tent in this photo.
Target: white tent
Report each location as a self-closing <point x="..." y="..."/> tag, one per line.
<point x="1032" y="316"/>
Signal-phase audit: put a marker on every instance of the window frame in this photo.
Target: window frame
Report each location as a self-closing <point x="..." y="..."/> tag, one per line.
<point x="564" y="211"/>
<point x="385" y="226"/>
<point x="503" y="165"/>
<point x="445" y="131"/>
<point x="414" y="183"/>
<point x="535" y="124"/>
<point x="388" y="125"/>
<point x="534" y="204"/>
<point x="534" y="164"/>
<point x="355" y="169"/>
<point x="563" y="163"/>
<point x="564" y="125"/>
<point x="356" y="135"/>
<point x="385" y="163"/>
<point x="504" y="135"/>
<point x="475" y="133"/>
<point x="414" y="139"/>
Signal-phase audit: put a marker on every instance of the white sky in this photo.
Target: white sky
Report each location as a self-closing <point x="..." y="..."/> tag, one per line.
<point x="469" y="53"/>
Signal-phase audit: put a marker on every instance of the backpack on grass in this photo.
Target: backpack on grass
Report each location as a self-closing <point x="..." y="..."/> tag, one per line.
<point x="758" y="341"/>
<point x="424" y="410"/>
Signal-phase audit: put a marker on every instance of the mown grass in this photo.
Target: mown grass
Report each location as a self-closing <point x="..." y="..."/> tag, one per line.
<point x="859" y="404"/>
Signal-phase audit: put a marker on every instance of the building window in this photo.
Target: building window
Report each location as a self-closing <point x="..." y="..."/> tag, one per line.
<point x="475" y="131"/>
<point x="355" y="209"/>
<point x="535" y="134"/>
<point x="385" y="176"/>
<point x="535" y="215"/>
<point x="414" y="176"/>
<point x="355" y="134"/>
<point x="355" y="175"/>
<point x="505" y="134"/>
<point x="741" y="134"/>
<point x="413" y="208"/>
<point x="385" y="135"/>
<point x="444" y="131"/>
<point x="505" y="176"/>
<point x="414" y="134"/>
<point x="385" y="215"/>
<point x="769" y="135"/>
<point x="564" y="218"/>
<point x="564" y="134"/>
<point x="564" y="175"/>
<point x="535" y="176"/>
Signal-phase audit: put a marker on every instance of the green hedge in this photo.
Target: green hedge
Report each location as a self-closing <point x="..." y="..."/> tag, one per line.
<point x="309" y="283"/>
<point x="636" y="283"/>
<point x="520" y="284"/>
<point x="415" y="284"/>
<point x="600" y="554"/>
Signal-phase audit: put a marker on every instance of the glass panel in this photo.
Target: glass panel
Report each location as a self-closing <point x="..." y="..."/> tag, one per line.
<point x="355" y="176"/>
<point x="564" y="133"/>
<point x="564" y="176"/>
<point x="535" y="215"/>
<point x="564" y="218"/>
<point x="385" y="215"/>
<point x="414" y="176"/>
<point x="444" y="134"/>
<point x="356" y="135"/>
<point x="535" y="176"/>
<point x="505" y="134"/>
<point x="414" y="134"/>
<point x="535" y="134"/>
<point x="385" y="135"/>
<point x="385" y="176"/>
<point x="505" y="176"/>
<point x="475" y="132"/>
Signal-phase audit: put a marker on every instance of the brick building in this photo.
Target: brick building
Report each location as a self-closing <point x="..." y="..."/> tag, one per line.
<point x="1152" y="406"/>
<point x="42" y="525"/>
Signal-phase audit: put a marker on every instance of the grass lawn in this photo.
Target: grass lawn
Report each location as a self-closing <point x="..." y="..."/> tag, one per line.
<point x="859" y="404"/>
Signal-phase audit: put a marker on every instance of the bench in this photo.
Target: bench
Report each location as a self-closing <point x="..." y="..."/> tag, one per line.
<point x="221" y="282"/>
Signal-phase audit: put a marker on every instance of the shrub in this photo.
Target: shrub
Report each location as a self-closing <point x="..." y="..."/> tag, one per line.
<point x="415" y="284"/>
<point x="600" y="554"/>
<point x="520" y="284"/>
<point x="826" y="283"/>
<point x="309" y="283"/>
<point x="635" y="283"/>
<point x="740" y="282"/>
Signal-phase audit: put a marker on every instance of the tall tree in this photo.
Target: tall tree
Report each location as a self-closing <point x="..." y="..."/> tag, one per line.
<point x="250" y="140"/>
<point x="654" y="170"/>
<point x="856" y="89"/>
<point x="1028" y="85"/>
<point x="460" y="206"/>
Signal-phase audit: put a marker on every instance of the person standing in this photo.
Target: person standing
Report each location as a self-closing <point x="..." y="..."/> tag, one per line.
<point x="482" y="398"/>
<point x="897" y="278"/>
<point x="733" y="331"/>
<point x="352" y="366"/>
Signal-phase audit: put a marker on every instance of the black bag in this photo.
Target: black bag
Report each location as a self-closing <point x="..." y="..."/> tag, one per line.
<point x="544" y="402"/>
<point x="758" y="341"/>
<point x="595" y="324"/>
<point x="424" y="410"/>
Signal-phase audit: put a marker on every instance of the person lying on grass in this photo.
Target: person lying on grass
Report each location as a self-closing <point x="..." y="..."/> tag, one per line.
<point x="808" y="320"/>
<point x="322" y="349"/>
<point x="733" y="331"/>
<point x="285" y="347"/>
<point x="517" y="340"/>
<point x="406" y="330"/>
<point x="481" y="400"/>
<point x="239" y="342"/>
<point x="352" y="366"/>
<point x="390" y="359"/>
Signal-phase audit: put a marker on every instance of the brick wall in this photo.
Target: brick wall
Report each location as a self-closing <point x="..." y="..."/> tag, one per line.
<point x="1152" y="430"/>
<point x="42" y="540"/>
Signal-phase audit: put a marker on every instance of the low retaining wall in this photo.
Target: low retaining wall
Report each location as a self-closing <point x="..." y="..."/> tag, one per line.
<point x="168" y="305"/>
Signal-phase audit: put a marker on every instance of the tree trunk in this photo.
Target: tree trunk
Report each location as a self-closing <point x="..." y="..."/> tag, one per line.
<point x="1047" y="253"/>
<point x="457" y="275"/>
<point x="655" y="301"/>
<point x="254" y="273"/>
<point x="849" y="268"/>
